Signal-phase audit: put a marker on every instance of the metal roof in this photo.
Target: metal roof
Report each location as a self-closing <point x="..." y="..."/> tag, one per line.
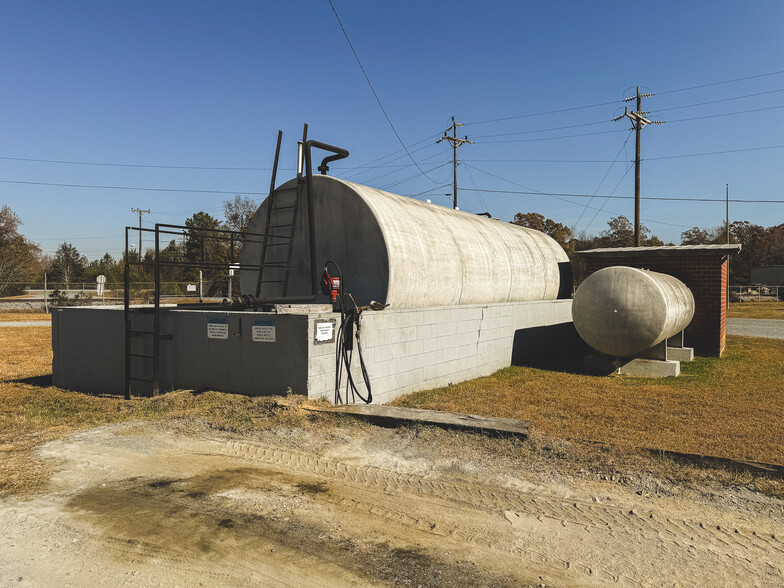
<point x="664" y="251"/>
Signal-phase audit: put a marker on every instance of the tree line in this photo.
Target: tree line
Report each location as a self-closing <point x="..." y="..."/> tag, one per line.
<point x="760" y="246"/>
<point x="23" y="264"/>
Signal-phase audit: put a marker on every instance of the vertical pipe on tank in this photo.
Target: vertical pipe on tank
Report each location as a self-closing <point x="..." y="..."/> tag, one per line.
<point x="127" y="319"/>
<point x="156" y="324"/>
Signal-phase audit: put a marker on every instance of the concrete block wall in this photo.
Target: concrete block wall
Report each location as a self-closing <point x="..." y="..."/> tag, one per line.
<point x="404" y="350"/>
<point x="417" y="349"/>
<point x="705" y="276"/>
<point x="87" y="346"/>
<point x="237" y="364"/>
<point x="89" y="352"/>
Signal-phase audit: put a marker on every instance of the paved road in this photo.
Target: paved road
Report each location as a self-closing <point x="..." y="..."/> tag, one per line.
<point x="767" y="328"/>
<point x="25" y="323"/>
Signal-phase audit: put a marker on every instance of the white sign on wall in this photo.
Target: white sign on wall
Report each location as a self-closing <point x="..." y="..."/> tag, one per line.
<point x="217" y="327"/>
<point x="324" y="331"/>
<point x="263" y="330"/>
<point x="190" y="288"/>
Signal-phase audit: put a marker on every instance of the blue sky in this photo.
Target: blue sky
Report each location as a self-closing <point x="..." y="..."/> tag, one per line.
<point x="208" y="84"/>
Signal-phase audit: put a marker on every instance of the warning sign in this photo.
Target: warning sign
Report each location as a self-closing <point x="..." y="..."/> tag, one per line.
<point x="324" y="331"/>
<point x="263" y="330"/>
<point x="217" y="327"/>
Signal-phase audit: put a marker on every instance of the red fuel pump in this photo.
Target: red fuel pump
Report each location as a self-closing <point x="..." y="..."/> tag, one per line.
<point x="330" y="286"/>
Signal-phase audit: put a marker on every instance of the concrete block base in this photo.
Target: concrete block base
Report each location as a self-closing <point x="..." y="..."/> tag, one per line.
<point x="292" y="349"/>
<point x="641" y="368"/>
<point x="651" y="368"/>
<point x="680" y="353"/>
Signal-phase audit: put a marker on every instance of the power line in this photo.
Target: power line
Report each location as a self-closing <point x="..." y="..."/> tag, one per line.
<point x="598" y="122"/>
<point x="762" y="148"/>
<point x="560" y="110"/>
<point x="661" y="198"/>
<point x="75" y="238"/>
<point x="394" y="171"/>
<point x="720" y="100"/>
<point x="135" y="188"/>
<point x="549" y="138"/>
<point x="372" y="89"/>
<point x="426" y="191"/>
<point x="560" y="196"/>
<point x="408" y="179"/>
<point x="478" y="193"/>
<point x="601" y="208"/>
<point x="371" y="168"/>
<point x="146" y="166"/>
<point x="609" y="169"/>
<point x="743" y="79"/>
<point x="538" y="160"/>
<point x="194" y="167"/>
<point x="611" y="102"/>
<point x="606" y="121"/>
<point x="725" y="114"/>
<point x="369" y="164"/>
<point x="714" y="152"/>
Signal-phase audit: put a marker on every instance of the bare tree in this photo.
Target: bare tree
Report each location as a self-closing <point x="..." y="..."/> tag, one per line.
<point x="238" y="212"/>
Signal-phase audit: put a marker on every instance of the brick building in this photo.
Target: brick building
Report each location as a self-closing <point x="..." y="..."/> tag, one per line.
<point x="703" y="268"/>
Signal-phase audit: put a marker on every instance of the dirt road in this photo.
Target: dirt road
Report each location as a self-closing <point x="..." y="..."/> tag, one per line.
<point x="141" y="505"/>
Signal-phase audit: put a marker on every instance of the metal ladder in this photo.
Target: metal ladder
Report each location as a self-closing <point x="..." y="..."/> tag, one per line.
<point x="280" y="216"/>
<point x="279" y="229"/>
<point x="130" y="356"/>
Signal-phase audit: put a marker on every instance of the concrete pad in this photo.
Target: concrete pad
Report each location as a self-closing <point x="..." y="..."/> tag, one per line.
<point x="651" y="368"/>
<point x="681" y="353"/>
<point x="638" y="367"/>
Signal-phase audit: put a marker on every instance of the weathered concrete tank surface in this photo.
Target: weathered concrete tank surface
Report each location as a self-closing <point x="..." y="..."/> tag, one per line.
<point x="624" y="311"/>
<point x="408" y="253"/>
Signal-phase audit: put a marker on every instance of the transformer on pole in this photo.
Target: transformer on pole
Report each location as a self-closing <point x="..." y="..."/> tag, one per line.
<point x="638" y="122"/>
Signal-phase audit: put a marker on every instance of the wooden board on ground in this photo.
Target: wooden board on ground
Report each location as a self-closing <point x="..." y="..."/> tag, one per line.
<point x="709" y="461"/>
<point x="395" y="414"/>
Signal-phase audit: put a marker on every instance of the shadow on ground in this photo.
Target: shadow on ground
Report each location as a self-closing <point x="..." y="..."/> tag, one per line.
<point x="44" y="381"/>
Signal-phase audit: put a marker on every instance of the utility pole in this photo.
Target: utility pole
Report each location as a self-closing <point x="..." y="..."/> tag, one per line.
<point x="638" y="122"/>
<point x="455" y="144"/>
<point x="141" y="212"/>
<point x="727" y="199"/>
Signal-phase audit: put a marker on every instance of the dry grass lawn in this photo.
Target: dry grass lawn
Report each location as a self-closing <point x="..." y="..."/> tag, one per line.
<point x="34" y="412"/>
<point x="756" y="310"/>
<point x="730" y="407"/>
<point x="24" y="316"/>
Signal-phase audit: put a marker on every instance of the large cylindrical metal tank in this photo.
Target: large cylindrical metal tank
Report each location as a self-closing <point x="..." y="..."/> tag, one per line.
<point x="624" y="311"/>
<point x="405" y="252"/>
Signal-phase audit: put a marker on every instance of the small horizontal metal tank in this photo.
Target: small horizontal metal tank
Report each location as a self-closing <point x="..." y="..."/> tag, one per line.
<point x="408" y="253"/>
<point x="624" y="311"/>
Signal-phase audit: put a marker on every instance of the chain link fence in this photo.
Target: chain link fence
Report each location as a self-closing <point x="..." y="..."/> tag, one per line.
<point x="756" y="293"/>
<point x="88" y="293"/>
